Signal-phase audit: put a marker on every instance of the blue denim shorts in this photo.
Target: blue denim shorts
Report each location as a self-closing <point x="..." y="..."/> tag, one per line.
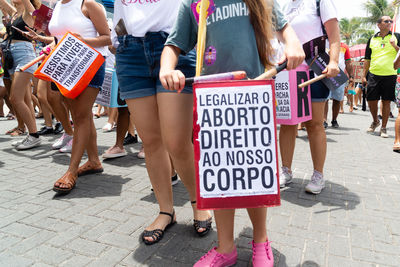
<point x="22" y="53"/>
<point x="338" y="93"/>
<point x="319" y="92"/>
<point x="138" y="65"/>
<point x="98" y="78"/>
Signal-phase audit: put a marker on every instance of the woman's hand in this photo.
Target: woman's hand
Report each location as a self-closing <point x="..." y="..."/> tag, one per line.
<point x="77" y="35"/>
<point x="294" y="52"/>
<point x="332" y="70"/>
<point x="172" y="80"/>
<point x="31" y="34"/>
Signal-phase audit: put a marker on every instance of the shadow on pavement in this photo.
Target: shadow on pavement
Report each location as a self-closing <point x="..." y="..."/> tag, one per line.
<point x="181" y="196"/>
<point x="96" y="185"/>
<point x="334" y="195"/>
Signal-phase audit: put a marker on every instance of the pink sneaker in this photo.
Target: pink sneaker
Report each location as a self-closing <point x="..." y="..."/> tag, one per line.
<point x="262" y="255"/>
<point x="215" y="259"/>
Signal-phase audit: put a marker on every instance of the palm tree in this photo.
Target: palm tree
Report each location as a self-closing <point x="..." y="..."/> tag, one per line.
<point x="350" y="28"/>
<point x="376" y="9"/>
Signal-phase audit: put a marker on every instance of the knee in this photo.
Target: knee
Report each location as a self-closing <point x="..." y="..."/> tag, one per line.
<point x="151" y="141"/>
<point x="314" y="126"/>
<point x="179" y="149"/>
<point x="82" y="120"/>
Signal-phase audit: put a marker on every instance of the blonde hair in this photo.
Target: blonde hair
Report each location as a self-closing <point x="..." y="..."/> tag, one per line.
<point x="261" y="19"/>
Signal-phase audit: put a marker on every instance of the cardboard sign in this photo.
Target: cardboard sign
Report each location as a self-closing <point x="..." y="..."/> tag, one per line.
<point x="42" y="17"/>
<point x="109" y="93"/>
<point x="293" y="103"/>
<point x="235" y="144"/>
<point x="71" y="65"/>
<point x="358" y="70"/>
<point x="319" y="63"/>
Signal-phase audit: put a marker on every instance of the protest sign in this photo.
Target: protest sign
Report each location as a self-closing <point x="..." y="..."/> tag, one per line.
<point x="358" y="70"/>
<point x="319" y="63"/>
<point x="109" y="93"/>
<point x="71" y="65"/>
<point x="235" y="144"/>
<point x="293" y="103"/>
<point x="42" y="17"/>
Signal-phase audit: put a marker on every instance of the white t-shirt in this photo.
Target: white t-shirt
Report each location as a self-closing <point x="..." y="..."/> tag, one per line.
<point x="302" y="16"/>
<point x="142" y="16"/>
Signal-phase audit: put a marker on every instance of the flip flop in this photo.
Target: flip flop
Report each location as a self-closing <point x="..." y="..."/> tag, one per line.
<point x="396" y="147"/>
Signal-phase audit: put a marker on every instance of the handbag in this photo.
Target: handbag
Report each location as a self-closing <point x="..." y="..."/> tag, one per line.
<point x="7" y="58"/>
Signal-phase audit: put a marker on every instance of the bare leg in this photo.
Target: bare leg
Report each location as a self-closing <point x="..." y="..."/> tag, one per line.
<point x="287" y="142"/>
<point x="317" y="136"/>
<point x="258" y="217"/>
<point x="397" y="128"/>
<point x="56" y="102"/>
<point x="385" y="112"/>
<point x="145" y="114"/>
<point x="84" y="133"/>
<point x="224" y="220"/>
<point x="176" y="128"/>
<point x="122" y="126"/>
<point x="373" y="107"/>
<point x="19" y="88"/>
<point x="335" y="109"/>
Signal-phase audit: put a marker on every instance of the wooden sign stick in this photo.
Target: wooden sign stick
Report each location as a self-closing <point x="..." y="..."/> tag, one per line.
<point x="201" y="35"/>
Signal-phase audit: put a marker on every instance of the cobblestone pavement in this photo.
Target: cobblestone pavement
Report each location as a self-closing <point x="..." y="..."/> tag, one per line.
<point x="355" y="221"/>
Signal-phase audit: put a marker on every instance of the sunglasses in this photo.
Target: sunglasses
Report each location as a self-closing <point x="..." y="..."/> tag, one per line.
<point x="388" y="21"/>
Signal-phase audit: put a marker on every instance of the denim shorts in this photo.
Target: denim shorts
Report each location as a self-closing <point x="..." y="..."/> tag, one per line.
<point x="138" y="65"/>
<point x="98" y="78"/>
<point x="338" y="93"/>
<point x="319" y="92"/>
<point x="22" y="53"/>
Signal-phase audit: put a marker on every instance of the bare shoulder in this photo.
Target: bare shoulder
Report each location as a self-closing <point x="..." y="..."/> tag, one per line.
<point x="92" y="4"/>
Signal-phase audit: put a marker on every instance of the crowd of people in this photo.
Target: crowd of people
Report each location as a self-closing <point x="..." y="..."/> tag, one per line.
<point x="154" y="50"/>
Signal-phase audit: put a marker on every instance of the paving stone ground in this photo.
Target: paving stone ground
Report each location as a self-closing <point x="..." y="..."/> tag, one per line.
<point x="355" y="221"/>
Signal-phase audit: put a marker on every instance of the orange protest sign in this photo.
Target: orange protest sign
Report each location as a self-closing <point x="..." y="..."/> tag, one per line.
<point x="71" y="65"/>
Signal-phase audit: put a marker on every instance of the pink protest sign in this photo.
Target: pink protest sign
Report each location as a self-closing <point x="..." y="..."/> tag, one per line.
<point x="42" y="18"/>
<point x="293" y="103"/>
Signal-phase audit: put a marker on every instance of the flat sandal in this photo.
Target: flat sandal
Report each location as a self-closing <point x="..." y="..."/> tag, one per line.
<point x="158" y="234"/>
<point x="206" y="224"/>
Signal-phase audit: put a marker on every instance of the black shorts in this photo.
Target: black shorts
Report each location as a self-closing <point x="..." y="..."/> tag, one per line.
<point x="381" y="87"/>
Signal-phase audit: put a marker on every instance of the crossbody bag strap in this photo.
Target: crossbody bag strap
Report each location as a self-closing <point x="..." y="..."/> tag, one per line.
<point x="318" y="3"/>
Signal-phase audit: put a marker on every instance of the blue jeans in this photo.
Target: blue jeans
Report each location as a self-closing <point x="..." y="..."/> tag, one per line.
<point x="138" y="65"/>
<point x="22" y="53"/>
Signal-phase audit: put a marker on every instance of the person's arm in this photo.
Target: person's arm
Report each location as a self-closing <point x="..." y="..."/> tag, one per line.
<point x="294" y="52"/>
<point x="170" y="78"/>
<point x="97" y="15"/>
<point x="349" y="69"/>
<point x="27" y="15"/>
<point x="396" y="62"/>
<point x="333" y="31"/>
<point x="32" y="35"/>
<point x="7" y="7"/>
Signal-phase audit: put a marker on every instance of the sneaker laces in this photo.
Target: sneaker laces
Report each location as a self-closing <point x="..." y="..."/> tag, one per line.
<point x="266" y="246"/>
<point x="316" y="177"/>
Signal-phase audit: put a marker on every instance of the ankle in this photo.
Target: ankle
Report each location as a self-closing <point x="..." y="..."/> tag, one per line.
<point x="226" y="248"/>
<point x="260" y="239"/>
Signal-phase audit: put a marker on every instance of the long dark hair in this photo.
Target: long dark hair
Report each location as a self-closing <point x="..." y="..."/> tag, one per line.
<point x="261" y="19"/>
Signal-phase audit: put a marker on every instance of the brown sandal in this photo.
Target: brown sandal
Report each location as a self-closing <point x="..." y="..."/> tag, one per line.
<point x="88" y="168"/>
<point x="18" y="132"/>
<point x="67" y="179"/>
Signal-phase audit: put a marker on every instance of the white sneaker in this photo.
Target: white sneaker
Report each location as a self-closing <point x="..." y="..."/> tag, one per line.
<point x="17" y="143"/>
<point x="384" y="133"/>
<point x="62" y="141"/>
<point x="28" y="142"/>
<point x="316" y="184"/>
<point x="141" y="154"/>
<point x="285" y="177"/>
<point x="108" y="127"/>
<point x="67" y="148"/>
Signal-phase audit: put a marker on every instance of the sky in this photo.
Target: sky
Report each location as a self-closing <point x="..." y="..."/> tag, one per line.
<point x="350" y="8"/>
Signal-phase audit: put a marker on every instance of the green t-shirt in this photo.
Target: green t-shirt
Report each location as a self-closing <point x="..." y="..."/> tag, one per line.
<point x="230" y="40"/>
<point x="381" y="54"/>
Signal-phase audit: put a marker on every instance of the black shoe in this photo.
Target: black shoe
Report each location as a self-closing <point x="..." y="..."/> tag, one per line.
<point x="174" y="179"/>
<point x="335" y="124"/>
<point x="58" y="128"/>
<point x="391" y="115"/>
<point x="325" y="124"/>
<point x="44" y="130"/>
<point x="130" y="139"/>
<point x="380" y="117"/>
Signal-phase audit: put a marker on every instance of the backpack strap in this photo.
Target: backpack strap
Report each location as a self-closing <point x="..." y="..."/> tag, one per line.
<point x="318" y="3"/>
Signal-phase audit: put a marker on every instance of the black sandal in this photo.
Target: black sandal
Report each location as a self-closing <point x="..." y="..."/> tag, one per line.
<point x="157" y="234"/>
<point x="207" y="224"/>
